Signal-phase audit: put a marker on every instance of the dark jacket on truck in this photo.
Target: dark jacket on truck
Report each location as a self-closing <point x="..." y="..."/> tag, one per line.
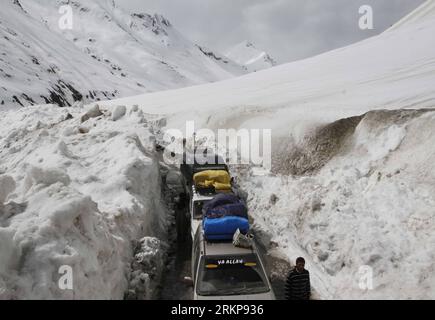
<point x="298" y="285"/>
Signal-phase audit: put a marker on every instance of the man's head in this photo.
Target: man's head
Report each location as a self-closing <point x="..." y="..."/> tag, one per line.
<point x="300" y="264"/>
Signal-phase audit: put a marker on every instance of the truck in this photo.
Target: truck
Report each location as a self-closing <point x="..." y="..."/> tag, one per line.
<point x="223" y="271"/>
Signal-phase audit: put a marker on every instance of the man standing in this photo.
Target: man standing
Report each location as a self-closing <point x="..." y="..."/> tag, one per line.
<point x="298" y="282"/>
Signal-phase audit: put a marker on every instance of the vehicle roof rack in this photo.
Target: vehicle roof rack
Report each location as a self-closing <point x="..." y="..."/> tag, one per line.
<point x="217" y="243"/>
<point x="206" y="191"/>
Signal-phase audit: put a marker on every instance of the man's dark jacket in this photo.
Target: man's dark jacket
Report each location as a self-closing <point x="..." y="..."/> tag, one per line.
<point x="298" y="285"/>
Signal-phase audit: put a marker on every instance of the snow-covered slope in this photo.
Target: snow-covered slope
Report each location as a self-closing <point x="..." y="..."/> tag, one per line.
<point x="108" y="53"/>
<point x="246" y="54"/>
<point x="425" y="11"/>
<point x="380" y="72"/>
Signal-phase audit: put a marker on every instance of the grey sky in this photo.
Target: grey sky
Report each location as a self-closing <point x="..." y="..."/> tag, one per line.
<point x="287" y="29"/>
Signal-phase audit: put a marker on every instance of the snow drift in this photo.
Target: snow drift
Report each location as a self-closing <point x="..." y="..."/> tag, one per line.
<point x="371" y="204"/>
<point x="77" y="194"/>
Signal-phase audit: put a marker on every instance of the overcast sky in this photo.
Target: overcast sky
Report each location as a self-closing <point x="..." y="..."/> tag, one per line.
<point x="287" y="29"/>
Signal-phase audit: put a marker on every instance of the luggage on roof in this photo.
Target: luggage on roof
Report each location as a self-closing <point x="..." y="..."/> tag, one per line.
<point x="218" y="179"/>
<point x="232" y="209"/>
<point x="221" y="199"/>
<point x="223" y="205"/>
<point x="223" y="215"/>
<point x="190" y="165"/>
<point x="224" y="228"/>
<point x="243" y="240"/>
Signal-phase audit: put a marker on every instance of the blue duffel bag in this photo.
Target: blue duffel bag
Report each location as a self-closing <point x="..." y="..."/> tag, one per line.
<point x="224" y="228"/>
<point x="220" y="200"/>
<point x="232" y="209"/>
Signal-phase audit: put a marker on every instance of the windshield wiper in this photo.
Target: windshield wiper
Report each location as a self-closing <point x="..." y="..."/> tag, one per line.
<point x="207" y="293"/>
<point x="232" y="292"/>
<point x="246" y="290"/>
<point x="221" y="292"/>
<point x="257" y="290"/>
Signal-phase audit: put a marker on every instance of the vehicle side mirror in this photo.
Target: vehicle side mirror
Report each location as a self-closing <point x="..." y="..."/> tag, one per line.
<point x="188" y="281"/>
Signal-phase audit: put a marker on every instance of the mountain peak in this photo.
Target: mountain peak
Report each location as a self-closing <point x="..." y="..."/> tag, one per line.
<point x="246" y="54"/>
<point x="153" y="20"/>
<point x="247" y="43"/>
<point x="157" y="23"/>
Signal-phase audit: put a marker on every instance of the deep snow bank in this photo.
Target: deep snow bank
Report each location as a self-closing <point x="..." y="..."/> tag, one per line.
<point x="74" y="194"/>
<point x="370" y="204"/>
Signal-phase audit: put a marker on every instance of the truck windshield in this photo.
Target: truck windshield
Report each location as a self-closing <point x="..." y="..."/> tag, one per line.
<point x="231" y="275"/>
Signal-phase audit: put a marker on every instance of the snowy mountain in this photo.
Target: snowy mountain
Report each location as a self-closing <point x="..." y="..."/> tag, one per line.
<point x="107" y="53"/>
<point x="246" y="54"/>
<point x="352" y="185"/>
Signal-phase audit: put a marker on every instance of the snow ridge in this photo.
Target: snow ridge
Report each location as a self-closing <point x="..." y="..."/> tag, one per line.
<point x="425" y="12"/>
<point x="246" y="54"/>
<point x="76" y="191"/>
<point x="107" y="54"/>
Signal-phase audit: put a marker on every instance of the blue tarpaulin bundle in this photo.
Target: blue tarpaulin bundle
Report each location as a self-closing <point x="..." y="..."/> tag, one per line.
<point x="224" y="228"/>
<point x="223" y="215"/>
<point x="232" y="209"/>
<point x="223" y="205"/>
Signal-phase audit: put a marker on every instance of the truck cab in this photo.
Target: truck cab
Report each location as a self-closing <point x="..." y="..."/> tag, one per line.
<point x="222" y="271"/>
